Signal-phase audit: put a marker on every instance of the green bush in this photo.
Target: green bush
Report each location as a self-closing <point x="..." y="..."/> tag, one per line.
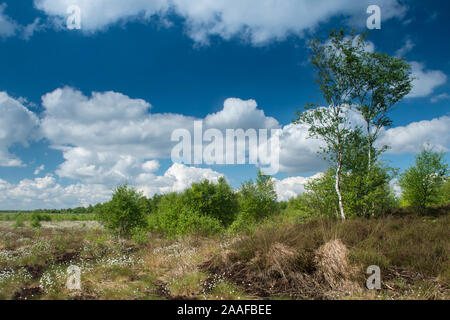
<point x="363" y="195"/>
<point x="124" y="213"/>
<point x="205" y="208"/>
<point x="20" y="221"/>
<point x="257" y="202"/>
<point x="422" y="184"/>
<point x="176" y="218"/>
<point x="35" y="223"/>
<point x="444" y="194"/>
<point x="217" y="201"/>
<point x="139" y="236"/>
<point x="40" y="217"/>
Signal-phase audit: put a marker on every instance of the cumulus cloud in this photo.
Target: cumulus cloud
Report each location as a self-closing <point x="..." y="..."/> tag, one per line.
<point x="257" y="22"/>
<point x="293" y="186"/>
<point x="17" y="124"/>
<point x="47" y="193"/>
<point x="299" y="152"/>
<point x="237" y="113"/>
<point x="110" y="138"/>
<point x="100" y="14"/>
<point x="176" y="179"/>
<point x="426" y="80"/>
<point x="411" y="138"/>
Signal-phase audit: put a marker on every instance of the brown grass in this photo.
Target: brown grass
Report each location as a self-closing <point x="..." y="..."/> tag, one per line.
<point x="320" y="259"/>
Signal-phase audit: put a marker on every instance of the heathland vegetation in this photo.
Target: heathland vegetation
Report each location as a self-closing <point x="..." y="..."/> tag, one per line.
<point x="215" y="242"/>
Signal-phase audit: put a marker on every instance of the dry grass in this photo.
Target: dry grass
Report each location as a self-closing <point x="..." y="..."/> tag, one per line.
<point x="320" y="259"/>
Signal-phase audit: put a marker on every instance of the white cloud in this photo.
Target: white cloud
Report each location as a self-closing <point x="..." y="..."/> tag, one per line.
<point x="426" y="80"/>
<point x="100" y="14"/>
<point x="109" y="137"/>
<point x="407" y="47"/>
<point x="8" y="27"/>
<point x="29" y="30"/>
<point x="17" y="124"/>
<point x="293" y="186"/>
<point x="411" y="138"/>
<point x="440" y="97"/>
<point x="255" y="21"/>
<point x="299" y="152"/>
<point x="39" y="169"/>
<point x="47" y="193"/>
<point x="150" y="166"/>
<point x="237" y="113"/>
<point x="176" y="179"/>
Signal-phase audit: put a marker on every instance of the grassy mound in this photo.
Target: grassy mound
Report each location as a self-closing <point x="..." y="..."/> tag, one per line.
<point x="325" y="259"/>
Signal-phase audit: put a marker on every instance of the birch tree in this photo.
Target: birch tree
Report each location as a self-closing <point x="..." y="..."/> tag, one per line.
<point x="332" y="61"/>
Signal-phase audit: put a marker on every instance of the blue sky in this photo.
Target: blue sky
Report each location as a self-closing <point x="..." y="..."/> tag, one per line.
<point x="186" y="61"/>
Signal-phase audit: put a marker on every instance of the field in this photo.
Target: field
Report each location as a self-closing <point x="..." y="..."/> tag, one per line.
<point x="318" y="259"/>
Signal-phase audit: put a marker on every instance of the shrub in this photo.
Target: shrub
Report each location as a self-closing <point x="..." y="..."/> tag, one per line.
<point x="422" y="183"/>
<point x="257" y="201"/>
<point x="139" y="236"/>
<point x="363" y="195"/>
<point x="38" y="217"/>
<point x="20" y="221"/>
<point x="176" y="218"/>
<point x="124" y="212"/>
<point x="444" y="195"/>
<point x="35" y="223"/>
<point x="205" y="209"/>
<point x="216" y="201"/>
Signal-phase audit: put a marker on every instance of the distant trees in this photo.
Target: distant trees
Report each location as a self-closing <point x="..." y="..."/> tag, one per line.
<point x="351" y="78"/>
<point x="422" y="184"/>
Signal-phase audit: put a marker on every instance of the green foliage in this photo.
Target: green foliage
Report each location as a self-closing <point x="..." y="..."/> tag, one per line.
<point x="422" y="183"/>
<point x="20" y="221"/>
<point x="320" y="198"/>
<point x="35" y="223"/>
<point x="205" y="208"/>
<point x="124" y="213"/>
<point x="139" y="236"/>
<point x="444" y="194"/>
<point x="217" y="201"/>
<point x="40" y="217"/>
<point x="174" y="218"/>
<point x="370" y="83"/>
<point x="257" y="201"/>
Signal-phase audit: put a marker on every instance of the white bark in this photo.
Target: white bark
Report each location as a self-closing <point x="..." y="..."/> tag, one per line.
<point x="338" y="187"/>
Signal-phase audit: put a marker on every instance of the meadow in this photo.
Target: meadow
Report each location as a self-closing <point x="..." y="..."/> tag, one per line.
<point x="321" y="258"/>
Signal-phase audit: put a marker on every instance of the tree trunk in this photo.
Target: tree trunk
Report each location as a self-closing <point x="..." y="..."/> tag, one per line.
<point x="338" y="186"/>
<point x="369" y="167"/>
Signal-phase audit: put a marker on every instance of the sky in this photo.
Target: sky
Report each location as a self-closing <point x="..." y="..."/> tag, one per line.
<point x="84" y="110"/>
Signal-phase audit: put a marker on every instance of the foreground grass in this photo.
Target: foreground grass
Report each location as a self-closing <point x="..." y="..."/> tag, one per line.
<point x="320" y="259"/>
